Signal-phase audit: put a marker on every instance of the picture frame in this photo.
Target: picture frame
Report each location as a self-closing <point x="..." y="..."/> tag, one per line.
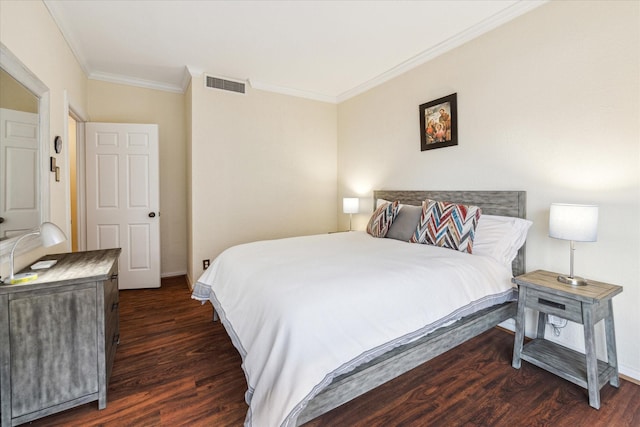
<point x="439" y="123"/>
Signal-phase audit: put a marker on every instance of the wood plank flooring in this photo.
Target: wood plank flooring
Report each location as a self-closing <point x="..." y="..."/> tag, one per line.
<point x="174" y="367"/>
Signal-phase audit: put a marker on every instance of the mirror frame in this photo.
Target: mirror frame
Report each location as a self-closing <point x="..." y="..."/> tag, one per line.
<point x="13" y="66"/>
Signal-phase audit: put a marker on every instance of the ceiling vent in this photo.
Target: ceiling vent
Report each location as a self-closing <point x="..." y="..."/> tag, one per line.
<point x="225" y="84"/>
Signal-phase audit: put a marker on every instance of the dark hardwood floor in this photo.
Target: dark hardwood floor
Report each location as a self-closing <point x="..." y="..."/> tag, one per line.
<point x="175" y="367"/>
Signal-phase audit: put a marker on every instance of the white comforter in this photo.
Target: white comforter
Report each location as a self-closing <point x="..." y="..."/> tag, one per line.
<point x="303" y="310"/>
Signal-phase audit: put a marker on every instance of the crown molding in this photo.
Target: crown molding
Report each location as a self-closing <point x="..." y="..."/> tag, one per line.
<point x="132" y="81"/>
<point x="292" y="92"/>
<point x="459" y="39"/>
<point x="189" y="73"/>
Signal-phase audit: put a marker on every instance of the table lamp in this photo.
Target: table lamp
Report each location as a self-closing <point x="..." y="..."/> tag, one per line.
<point x="350" y="205"/>
<point x="50" y="234"/>
<point x="576" y="223"/>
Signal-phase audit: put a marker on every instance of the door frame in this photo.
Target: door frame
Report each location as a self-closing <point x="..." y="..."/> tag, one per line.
<point x="81" y="227"/>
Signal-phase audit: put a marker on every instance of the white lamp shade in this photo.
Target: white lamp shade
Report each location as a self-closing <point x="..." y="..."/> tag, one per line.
<point x="350" y="205"/>
<point x="50" y="234"/>
<point x="573" y="222"/>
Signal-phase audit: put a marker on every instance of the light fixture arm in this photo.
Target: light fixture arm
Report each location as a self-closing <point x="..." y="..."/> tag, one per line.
<point x="572" y="251"/>
<point x="571" y="279"/>
<point x="50" y="235"/>
<point x="13" y="249"/>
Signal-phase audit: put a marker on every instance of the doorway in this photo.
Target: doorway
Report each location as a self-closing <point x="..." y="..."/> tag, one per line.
<point x="73" y="180"/>
<point x="137" y="170"/>
<point x="76" y="188"/>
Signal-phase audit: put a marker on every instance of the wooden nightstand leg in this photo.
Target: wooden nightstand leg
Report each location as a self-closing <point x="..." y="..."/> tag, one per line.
<point x="610" y="334"/>
<point x="590" y="354"/>
<point x="519" y="339"/>
<point x="542" y="324"/>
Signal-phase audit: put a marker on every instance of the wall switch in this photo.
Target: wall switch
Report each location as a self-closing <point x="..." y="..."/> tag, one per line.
<point x="205" y="264"/>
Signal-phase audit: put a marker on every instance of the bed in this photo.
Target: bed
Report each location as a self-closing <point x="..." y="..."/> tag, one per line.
<point x="320" y="320"/>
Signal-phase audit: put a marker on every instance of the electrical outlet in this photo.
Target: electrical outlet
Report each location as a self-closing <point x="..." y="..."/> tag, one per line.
<point x="205" y="264"/>
<point x="556" y="321"/>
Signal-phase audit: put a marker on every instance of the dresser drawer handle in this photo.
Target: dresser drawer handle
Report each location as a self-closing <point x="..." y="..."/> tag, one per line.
<point x="115" y="306"/>
<point x="114" y="277"/>
<point x="116" y="339"/>
<point x="551" y="303"/>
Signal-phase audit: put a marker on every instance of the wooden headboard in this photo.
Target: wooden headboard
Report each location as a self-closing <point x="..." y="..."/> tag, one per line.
<point x="505" y="203"/>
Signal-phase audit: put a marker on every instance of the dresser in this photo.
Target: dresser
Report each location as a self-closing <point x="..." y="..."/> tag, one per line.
<point x="58" y="336"/>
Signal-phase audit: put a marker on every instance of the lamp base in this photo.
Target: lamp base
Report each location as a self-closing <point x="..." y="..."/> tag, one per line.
<point x="23" y="278"/>
<point x="573" y="281"/>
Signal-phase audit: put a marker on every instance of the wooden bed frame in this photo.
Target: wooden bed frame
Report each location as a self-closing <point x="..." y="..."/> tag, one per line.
<point x="402" y="359"/>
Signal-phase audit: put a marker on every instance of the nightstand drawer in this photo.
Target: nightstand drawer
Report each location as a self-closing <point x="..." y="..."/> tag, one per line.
<point x="566" y="308"/>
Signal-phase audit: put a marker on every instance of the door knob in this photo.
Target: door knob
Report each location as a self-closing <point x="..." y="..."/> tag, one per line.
<point x="1" y="220"/>
<point x="152" y="214"/>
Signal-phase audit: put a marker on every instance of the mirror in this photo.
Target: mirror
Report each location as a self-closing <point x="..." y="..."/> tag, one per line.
<point x="24" y="157"/>
<point x="19" y="154"/>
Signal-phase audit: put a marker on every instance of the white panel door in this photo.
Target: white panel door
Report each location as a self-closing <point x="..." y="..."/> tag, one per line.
<point x="123" y="185"/>
<point x="19" y="159"/>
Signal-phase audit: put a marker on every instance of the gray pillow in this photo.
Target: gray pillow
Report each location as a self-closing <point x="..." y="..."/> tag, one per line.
<point x="405" y="223"/>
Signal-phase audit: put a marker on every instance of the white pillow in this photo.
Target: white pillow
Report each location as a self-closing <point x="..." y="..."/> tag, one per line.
<point x="500" y="237"/>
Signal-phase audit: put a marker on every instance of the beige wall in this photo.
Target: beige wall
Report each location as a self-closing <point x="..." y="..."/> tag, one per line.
<point x="14" y="96"/>
<point x="263" y="166"/>
<point x="548" y="103"/>
<point x="116" y="103"/>
<point x="27" y="30"/>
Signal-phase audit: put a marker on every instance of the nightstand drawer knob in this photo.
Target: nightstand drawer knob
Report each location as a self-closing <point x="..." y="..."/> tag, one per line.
<point x="553" y="304"/>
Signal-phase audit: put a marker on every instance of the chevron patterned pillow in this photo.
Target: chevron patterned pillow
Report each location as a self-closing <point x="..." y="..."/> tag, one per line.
<point x="448" y="225"/>
<point x="382" y="219"/>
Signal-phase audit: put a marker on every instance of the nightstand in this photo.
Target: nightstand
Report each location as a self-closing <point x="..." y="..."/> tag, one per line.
<point x="586" y="305"/>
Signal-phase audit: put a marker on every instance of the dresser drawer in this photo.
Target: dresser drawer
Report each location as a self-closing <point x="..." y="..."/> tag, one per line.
<point x="112" y="332"/>
<point x="111" y="318"/>
<point x="112" y="338"/>
<point x="111" y="303"/>
<point x="111" y="294"/>
<point x="563" y="307"/>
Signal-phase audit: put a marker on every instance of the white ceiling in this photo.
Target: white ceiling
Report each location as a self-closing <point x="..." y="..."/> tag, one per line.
<point x="325" y="50"/>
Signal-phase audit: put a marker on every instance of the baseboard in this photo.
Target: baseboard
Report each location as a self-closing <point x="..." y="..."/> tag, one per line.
<point x="630" y="379"/>
<point x="173" y="274"/>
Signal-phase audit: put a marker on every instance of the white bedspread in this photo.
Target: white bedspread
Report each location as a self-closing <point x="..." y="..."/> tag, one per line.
<point x="303" y="310"/>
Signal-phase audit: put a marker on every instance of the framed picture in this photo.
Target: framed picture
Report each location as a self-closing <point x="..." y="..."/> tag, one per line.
<point x="439" y="123"/>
